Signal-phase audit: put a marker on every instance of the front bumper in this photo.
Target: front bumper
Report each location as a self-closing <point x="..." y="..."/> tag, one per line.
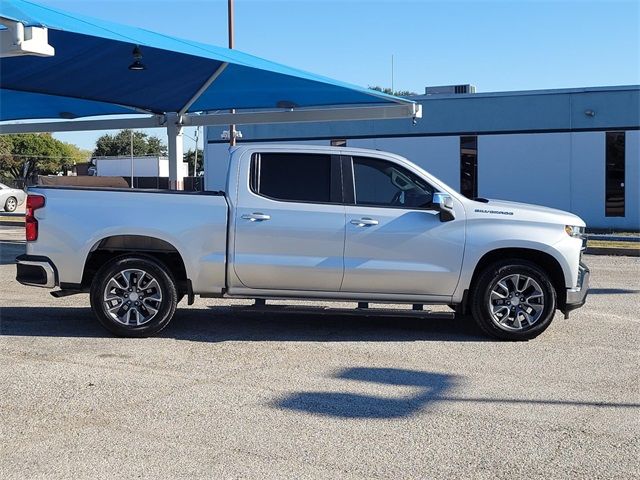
<point x="36" y="271"/>
<point x="577" y="296"/>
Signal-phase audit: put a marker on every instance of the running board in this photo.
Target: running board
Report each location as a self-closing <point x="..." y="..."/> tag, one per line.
<point x="360" y="312"/>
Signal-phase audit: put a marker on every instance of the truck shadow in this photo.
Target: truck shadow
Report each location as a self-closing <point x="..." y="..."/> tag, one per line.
<point x="220" y="324"/>
<point x="429" y="388"/>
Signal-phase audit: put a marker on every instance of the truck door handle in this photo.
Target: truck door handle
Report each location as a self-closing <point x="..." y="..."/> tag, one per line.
<point x="256" y="217"/>
<point x="364" y="222"/>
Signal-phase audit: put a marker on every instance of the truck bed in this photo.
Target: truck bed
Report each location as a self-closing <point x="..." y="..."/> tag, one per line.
<point x="76" y="220"/>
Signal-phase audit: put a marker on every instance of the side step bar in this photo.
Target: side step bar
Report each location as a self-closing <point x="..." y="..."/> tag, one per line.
<point x="359" y="311"/>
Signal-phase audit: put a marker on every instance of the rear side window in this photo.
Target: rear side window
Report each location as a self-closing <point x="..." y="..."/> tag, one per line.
<point x="293" y="177"/>
<point x="385" y="184"/>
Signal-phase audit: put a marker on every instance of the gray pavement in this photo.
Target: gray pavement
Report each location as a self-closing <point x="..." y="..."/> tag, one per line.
<point x="224" y="393"/>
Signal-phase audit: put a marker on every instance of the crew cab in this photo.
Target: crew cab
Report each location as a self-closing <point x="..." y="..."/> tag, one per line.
<point x="306" y="222"/>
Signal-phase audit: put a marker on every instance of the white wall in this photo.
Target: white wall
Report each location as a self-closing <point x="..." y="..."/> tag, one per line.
<point x="559" y="170"/>
<point x="121" y="167"/>
<point x="588" y="171"/>
<point x="530" y="168"/>
<point x="440" y="156"/>
<point x="163" y="166"/>
<point x="142" y="167"/>
<point x="587" y="177"/>
<point x="632" y="183"/>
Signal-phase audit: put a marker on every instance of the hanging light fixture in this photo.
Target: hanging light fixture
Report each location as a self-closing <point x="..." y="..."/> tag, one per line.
<point x="137" y="65"/>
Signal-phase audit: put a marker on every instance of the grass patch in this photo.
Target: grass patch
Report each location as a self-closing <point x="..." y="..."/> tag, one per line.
<point x="612" y="244"/>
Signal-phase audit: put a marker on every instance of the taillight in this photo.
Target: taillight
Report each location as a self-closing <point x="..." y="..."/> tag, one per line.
<point x="34" y="202"/>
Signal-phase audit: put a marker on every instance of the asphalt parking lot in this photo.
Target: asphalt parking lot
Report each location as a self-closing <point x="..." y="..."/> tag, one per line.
<point x="225" y="393"/>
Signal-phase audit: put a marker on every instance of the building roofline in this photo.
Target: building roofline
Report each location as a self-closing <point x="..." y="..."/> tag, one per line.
<point x="519" y="93"/>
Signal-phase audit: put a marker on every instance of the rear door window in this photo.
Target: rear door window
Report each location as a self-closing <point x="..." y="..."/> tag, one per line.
<point x="296" y="177"/>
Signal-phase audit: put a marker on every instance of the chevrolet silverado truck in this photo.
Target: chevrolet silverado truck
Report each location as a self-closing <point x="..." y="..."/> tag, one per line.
<point x="306" y="222"/>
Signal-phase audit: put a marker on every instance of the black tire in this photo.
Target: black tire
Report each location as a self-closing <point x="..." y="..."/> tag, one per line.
<point x="489" y="278"/>
<point x="166" y="306"/>
<point x="11" y="204"/>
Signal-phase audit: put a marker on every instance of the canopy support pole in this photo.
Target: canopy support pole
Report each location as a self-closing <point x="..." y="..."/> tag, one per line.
<point x="203" y="88"/>
<point x="175" y="141"/>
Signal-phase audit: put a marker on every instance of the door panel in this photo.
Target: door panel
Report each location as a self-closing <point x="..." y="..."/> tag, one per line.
<point x="287" y="244"/>
<point x="407" y="251"/>
<point x="401" y="248"/>
<point x="299" y="248"/>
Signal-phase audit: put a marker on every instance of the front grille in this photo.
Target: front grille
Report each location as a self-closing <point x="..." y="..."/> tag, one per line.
<point x="582" y="270"/>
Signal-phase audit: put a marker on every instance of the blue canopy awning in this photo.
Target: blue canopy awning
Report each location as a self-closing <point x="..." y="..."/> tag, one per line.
<point x="89" y="74"/>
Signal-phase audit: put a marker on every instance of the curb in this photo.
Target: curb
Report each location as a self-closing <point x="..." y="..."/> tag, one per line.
<point x="627" y="252"/>
<point x="614" y="238"/>
<point x="12" y="219"/>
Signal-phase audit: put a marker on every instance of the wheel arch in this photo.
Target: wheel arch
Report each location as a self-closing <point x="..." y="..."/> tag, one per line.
<point x="547" y="262"/>
<point x="115" y="246"/>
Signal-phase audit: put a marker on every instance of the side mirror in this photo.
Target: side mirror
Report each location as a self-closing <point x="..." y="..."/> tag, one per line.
<point x="444" y="203"/>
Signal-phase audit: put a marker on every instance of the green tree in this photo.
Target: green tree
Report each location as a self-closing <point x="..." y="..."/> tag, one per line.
<point x="119" y="144"/>
<point x="388" y="91"/>
<point x="190" y="158"/>
<point x="28" y="154"/>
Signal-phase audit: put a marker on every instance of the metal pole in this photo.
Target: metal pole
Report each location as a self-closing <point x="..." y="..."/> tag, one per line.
<point x="131" y="158"/>
<point x="176" y="152"/>
<point x="195" y="161"/>
<point x="392" y="90"/>
<point x="232" y="128"/>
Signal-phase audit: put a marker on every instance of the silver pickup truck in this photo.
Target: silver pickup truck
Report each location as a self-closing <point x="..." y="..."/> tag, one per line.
<point x="306" y="222"/>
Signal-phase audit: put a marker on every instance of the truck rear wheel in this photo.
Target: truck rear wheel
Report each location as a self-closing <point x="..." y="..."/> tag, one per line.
<point x="133" y="296"/>
<point x="513" y="300"/>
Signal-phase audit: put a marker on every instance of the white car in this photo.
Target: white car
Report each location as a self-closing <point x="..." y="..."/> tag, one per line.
<point x="306" y="222"/>
<point x="11" y="198"/>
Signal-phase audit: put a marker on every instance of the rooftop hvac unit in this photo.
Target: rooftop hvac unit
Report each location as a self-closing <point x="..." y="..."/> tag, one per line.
<point x="450" y="89"/>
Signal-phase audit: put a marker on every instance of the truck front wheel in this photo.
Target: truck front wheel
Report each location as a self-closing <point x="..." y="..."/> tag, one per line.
<point x="513" y="300"/>
<point x="133" y="296"/>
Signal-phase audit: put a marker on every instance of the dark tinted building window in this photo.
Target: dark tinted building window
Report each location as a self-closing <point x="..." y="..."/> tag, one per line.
<point x="469" y="166"/>
<point x="380" y="183"/>
<point x="614" y="191"/>
<point x="295" y="177"/>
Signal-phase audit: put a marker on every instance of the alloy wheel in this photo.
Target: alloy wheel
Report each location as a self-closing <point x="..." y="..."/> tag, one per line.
<point x="132" y="297"/>
<point x="516" y="302"/>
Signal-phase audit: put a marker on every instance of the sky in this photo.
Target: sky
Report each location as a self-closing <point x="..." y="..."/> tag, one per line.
<point x="494" y="45"/>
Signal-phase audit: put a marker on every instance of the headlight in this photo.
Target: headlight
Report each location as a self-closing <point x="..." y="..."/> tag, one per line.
<point x="573" y="231"/>
<point x="577" y="232"/>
